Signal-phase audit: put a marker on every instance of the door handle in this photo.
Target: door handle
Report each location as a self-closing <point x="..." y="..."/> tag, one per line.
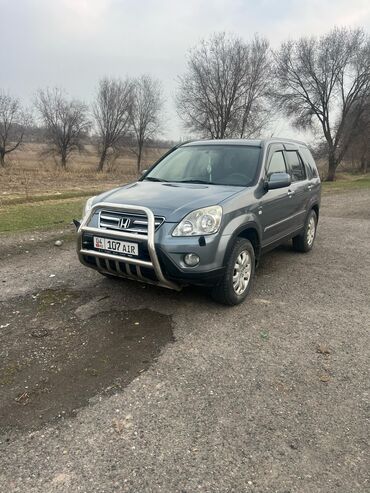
<point x="291" y="193"/>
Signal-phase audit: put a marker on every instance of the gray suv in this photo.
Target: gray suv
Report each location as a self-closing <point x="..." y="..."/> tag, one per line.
<point x="204" y="214"/>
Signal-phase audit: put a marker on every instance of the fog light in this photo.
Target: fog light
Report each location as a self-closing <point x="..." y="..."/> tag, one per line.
<point x="191" y="259"/>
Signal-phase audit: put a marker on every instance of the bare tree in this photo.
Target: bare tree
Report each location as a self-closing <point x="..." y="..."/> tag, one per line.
<point x="112" y="110"/>
<point x="255" y="109"/>
<point x="321" y="81"/>
<point x="65" y="121"/>
<point x="223" y="93"/>
<point x="145" y="113"/>
<point x="13" y="123"/>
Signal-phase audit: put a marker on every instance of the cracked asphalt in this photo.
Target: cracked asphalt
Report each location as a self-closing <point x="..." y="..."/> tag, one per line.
<point x="110" y="386"/>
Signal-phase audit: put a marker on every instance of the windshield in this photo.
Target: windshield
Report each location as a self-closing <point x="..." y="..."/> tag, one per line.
<point x="212" y="164"/>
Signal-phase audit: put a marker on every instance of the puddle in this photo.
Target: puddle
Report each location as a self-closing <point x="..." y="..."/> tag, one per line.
<point x="52" y="362"/>
<point x="51" y="297"/>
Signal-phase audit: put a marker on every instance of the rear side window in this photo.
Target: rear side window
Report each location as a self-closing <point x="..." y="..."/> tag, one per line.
<point x="309" y="161"/>
<point x="297" y="169"/>
<point x="277" y="163"/>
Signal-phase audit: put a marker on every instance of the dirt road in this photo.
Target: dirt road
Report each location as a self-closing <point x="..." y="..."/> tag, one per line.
<point x="112" y="386"/>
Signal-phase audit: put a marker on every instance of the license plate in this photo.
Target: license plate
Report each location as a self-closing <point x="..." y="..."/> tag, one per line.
<point x="116" y="246"/>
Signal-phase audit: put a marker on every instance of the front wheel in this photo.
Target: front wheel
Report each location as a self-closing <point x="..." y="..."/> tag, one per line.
<point x="304" y="242"/>
<point x="238" y="277"/>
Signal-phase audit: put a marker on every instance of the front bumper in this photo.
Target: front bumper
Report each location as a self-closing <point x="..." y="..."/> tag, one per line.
<point x="161" y="255"/>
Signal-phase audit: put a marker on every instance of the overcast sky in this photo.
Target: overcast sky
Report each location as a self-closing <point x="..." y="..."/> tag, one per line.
<point x="73" y="43"/>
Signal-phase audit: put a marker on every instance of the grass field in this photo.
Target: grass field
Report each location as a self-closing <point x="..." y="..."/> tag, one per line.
<point x="40" y="215"/>
<point x="36" y="195"/>
<point x="346" y="181"/>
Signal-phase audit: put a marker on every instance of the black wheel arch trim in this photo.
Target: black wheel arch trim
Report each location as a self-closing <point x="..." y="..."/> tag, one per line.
<point x="237" y="233"/>
<point x="316" y="205"/>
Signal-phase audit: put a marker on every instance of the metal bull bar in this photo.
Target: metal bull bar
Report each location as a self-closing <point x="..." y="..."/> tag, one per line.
<point x="122" y="235"/>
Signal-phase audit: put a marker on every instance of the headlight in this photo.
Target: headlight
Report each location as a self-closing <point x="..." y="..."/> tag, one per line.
<point x="204" y="221"/>
<point x="88" y="206"/>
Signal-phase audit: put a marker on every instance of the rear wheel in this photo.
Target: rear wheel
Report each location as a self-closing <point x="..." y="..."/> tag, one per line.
<point x="304" y="242"/>
<point x="238" y="277"/>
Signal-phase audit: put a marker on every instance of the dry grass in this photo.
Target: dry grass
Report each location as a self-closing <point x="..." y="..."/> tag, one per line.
<point x="28" y="173"/>
<point x="36" y="194"/>
<point x="347" y="181"/>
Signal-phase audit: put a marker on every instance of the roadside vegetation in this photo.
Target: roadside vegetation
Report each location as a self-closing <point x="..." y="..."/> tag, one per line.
<point x="346" y="182"/>
<point x="50" y="211"/>
<point x="36" y="195"/>
<point x="40" y="215"/>
<point x="46" y="197"/>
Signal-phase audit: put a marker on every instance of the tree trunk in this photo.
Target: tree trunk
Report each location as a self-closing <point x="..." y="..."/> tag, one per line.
<point x="364" y="164"/>
<point x="63" y="161"/>
<point x="332" y="168"/>
<point x="103" y="157"/>
<point x="2" y="159"/>
<point x="138" y="162"/>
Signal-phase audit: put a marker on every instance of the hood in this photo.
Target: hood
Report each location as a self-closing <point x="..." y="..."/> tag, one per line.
<point x="171" y="200"/>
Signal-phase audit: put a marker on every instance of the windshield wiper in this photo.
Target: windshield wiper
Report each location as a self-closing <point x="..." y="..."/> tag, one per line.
<point x="153" y="178"/>
<point x="196" y="181"/>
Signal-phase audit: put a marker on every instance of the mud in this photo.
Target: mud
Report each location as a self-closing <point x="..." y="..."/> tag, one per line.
<point x="57" y="354"/>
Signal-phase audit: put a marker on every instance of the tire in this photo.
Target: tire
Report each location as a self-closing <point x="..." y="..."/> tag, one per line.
<point x="304" y="242"/>
<point x="234" y="288"/>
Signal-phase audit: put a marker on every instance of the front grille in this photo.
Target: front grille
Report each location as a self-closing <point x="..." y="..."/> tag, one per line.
<point x="122" y="221"/>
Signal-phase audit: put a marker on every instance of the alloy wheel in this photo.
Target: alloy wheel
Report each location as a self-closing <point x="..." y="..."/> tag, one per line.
<point x="242" y="272"/>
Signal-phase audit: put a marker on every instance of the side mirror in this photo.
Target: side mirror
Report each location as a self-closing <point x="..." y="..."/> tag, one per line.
<point x="278" y="180"/>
